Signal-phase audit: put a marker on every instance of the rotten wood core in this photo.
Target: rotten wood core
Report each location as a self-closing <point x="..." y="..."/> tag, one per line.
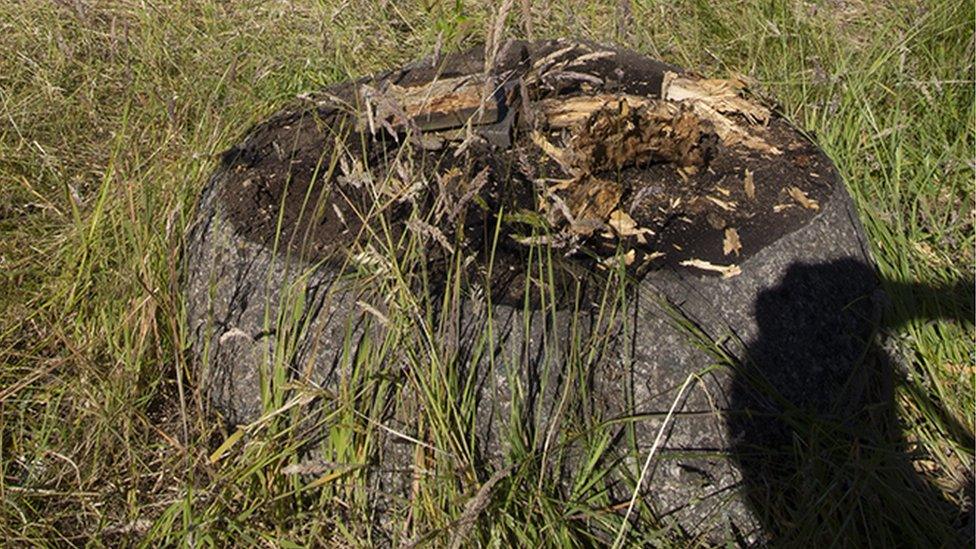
<point x="601" y="155"/>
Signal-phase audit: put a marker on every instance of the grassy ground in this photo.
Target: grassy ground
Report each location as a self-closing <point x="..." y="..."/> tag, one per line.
<point x="111" y="115"/>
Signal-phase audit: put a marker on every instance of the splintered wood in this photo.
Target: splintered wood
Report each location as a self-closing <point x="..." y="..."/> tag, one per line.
<point x="723" y="96"/>
<point x="441" y="104"/>
<point x="589" y="136"/>
<point x="568" y="112"/>
<point x="612" y="131"/>
<point x="715" y="101"/>
<point x="591" y="200"/>
<point x="727" y="271"/>
<point x="618" y="135"/>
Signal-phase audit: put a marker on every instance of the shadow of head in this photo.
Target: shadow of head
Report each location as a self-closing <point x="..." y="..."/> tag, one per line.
<point x="813" y="424"/>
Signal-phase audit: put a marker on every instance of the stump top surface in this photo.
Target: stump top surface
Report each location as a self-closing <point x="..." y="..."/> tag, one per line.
<point x="602" y="154"/>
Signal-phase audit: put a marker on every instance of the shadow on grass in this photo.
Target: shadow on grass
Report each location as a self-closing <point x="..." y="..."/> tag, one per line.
<point x="814" y="424"/>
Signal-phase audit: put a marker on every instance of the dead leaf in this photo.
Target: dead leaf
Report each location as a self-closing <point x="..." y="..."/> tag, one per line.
<point x="727" y="271"/>
<point x="585" y="227"/>
<point x="715" y="220"/>
<point x="780" y="207"/>
<point x="802" y="199"/>
<point x="431" y="141"/>
<point x="731" y="244"/>
<point x="750" y="185"/>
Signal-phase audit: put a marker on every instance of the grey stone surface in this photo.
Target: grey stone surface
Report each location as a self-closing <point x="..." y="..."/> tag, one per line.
<point x="797" y="319"/>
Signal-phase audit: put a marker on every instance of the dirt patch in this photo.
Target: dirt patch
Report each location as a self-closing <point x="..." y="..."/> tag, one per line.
<point x="599" y="155"/>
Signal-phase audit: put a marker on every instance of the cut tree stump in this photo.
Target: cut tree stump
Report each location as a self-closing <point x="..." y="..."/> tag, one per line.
<point x="747" y="280"/>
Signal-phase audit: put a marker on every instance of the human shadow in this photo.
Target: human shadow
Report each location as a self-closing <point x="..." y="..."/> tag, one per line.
<point x="814" y="424"/>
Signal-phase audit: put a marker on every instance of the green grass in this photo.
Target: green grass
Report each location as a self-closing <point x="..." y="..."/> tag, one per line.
<point x="111" y="118"/>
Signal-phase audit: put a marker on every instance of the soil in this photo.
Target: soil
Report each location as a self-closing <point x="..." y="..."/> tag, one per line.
<point x="577" y="150"/>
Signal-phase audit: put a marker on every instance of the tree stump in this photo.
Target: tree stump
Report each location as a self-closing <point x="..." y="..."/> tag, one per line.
<point x="722" y="238"/>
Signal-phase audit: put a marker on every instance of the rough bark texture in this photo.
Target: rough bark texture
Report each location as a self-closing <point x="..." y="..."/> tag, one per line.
<point x="795" y="323"/>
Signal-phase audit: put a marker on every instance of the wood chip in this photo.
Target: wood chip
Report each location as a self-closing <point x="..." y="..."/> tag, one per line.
<point x="611" y="261"/>
<point x="727" y="206"/>
<point x="731" y="244"/>
<point x="625" y="226"/>
<point x="802" y="199"/>
<point x="560" y="156"/>
<point x="727" y="271"/>
<point x="749" y="185"/>
<point x="622" y="223"/>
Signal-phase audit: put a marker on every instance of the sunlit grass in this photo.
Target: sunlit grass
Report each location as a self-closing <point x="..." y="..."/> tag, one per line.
<point x="111" y="119"/>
